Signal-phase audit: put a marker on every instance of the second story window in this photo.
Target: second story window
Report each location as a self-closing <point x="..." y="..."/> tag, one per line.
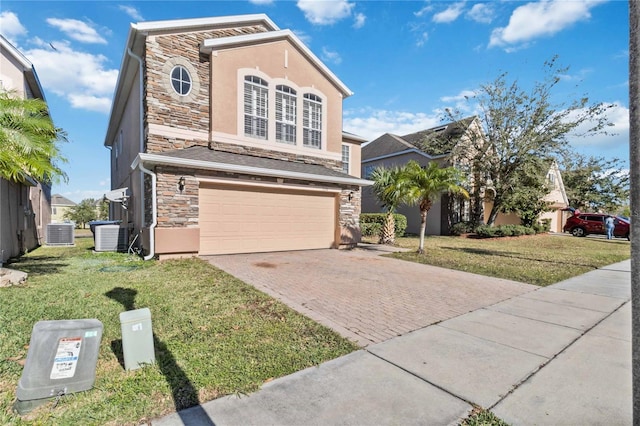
<point x="181" y="80"/>
<point x="256" y="100"/>
<point x="312" y="121"/>
<point x="285" y="114"/>
<point x="345" y="158"/>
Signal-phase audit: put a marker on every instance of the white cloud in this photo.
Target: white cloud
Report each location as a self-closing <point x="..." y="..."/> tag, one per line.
<point x="373" y="123"/>
<point x="426" y="9"/>
<point x="541" y="19"/>
<point x="77" y="30"/>
<point x="450" y="14"/>
<point x="330" y="56"/>
<point x="422" y="39"/>
<point x="132" y="12"/>
<point x="462" y="96"/>
<point x="419" y="29"/>
<point x="325" y="12"/>
<point x="618" y="115"/>
<point x="84" y="80"/>
<point x="304" y="37"/>
<point x="481" y="12"/>
<point x="11" y="26"/>
<point x="359" y="20"/>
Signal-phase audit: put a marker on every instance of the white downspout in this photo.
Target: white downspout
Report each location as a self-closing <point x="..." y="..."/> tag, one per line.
<point x="154" y="212"/>
<point x="141" y="150"/>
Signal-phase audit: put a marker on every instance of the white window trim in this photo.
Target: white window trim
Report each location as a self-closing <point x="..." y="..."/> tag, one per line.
<point x="270" y="142"/>
<point x="348" y="162"/>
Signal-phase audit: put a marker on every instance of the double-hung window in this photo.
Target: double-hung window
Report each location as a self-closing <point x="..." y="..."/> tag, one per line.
<point x="345" y="158"/>
<point x="312" y="121"/>
<point x="256" y="111"/>
<point x="286" y="114"/>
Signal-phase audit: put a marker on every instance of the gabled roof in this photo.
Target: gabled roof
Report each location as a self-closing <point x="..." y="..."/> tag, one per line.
<point x="247" y="39"/>
<point x="138" y="33"/>
<point x="29" y="71"/>
<point x="435" y="142"/>
<point x="201" y="157"/>
<point x="59" y="200"/>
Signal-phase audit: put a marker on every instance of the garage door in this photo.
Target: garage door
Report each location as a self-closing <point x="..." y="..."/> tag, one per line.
<point x="237" y="219"/>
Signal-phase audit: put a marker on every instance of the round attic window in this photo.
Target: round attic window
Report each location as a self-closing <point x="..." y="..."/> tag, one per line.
<point x="181" y="80"/>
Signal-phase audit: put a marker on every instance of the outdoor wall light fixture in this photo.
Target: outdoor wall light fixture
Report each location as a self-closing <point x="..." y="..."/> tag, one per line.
<point x="181" y="183"/>
<point x="351" y="193"/>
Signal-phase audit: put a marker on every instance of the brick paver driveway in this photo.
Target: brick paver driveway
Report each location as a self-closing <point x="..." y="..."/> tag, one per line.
<point x="363" y="296"/>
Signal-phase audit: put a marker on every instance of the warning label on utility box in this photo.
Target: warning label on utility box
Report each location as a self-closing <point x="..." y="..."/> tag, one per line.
<point x="66" y="360"/>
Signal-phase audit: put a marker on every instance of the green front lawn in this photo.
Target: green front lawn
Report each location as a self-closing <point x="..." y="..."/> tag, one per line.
<point x="537" y="259"/>
<point x="214" y="335"/>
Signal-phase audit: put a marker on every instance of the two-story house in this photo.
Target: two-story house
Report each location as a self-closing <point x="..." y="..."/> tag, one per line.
<point x="227" y="132"/>
<point x="424" y="147"/>
<point x="25" y="207"/>
<point x="440" y="144"/>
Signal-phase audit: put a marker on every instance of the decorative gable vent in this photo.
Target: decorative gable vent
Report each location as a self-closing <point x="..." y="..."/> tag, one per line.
<point x="110" y="238"/>
<point x="60" y="234"/>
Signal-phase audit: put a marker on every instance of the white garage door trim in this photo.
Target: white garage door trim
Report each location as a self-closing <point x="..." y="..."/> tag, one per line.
<point x="240" y="218"/>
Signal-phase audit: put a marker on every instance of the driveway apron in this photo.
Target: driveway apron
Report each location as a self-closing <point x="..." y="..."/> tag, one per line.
<point x="363" y="296"/>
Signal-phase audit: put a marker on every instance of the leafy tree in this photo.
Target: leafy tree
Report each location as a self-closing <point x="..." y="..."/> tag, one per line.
<point x="103" y="209"/>
<point x="83" y="212"/>
<point x="528" y="202"/>
<point x="594" y="183"/>
<point x="28" y="140"/>
<point x="422" y="186"/>
<point x="386" y="191"/>
<point x="521" y="131"/>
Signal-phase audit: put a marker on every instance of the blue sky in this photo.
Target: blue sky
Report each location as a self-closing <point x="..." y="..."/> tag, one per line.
<point x="405" y="61"/>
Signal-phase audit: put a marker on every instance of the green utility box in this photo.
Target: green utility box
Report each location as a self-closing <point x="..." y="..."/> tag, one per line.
<point x="137" y="338"/>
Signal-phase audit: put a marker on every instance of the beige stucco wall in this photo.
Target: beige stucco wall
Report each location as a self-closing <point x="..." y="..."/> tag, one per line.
<point x="12" y="74"/>
<point x="278" y="62"/>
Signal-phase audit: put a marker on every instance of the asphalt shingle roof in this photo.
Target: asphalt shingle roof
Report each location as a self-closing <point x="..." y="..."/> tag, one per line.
<point x="436" y="141"/>
<point x="202" y="153"/>
<point x="59" y="200"/>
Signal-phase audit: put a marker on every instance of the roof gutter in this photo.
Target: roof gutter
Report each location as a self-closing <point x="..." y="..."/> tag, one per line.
<point x="225" y="167"/>
<point x="138" y="163"/>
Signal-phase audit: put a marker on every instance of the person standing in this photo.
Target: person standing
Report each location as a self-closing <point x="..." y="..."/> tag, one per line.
<point x="610" y="226"/>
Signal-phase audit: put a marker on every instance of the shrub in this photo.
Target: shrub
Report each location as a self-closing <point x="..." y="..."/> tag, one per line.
<point x="373" y="223"/>
<point x="462" y="228"/>
<point x="370" y="229"/>
<point x="486" y="231"/>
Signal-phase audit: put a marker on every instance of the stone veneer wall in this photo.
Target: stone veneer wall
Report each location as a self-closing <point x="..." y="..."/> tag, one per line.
<point x="162" y="106"/>
<point x="181" y="208"/>
<point x="177" y="209"/>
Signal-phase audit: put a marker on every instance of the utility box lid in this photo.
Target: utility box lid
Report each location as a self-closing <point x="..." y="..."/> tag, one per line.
<point x="62" y="358"/>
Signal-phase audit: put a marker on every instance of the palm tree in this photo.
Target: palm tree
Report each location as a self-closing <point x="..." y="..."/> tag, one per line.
<point x="28" y="140"/>
<point x="423" y="186"/>
<point x="386" y="190"/>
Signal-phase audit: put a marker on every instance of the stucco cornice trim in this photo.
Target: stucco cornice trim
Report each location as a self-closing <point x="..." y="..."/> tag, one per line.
<point x="162" y="160"/>
<point x="210" y="45"/>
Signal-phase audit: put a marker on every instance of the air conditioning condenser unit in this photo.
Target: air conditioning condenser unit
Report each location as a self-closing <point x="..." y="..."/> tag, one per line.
<point x="60" y="234"/>
<point x="111" y="238"/>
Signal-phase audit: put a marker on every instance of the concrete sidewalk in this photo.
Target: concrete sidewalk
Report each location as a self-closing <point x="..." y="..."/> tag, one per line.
<point x="556" y="355"/>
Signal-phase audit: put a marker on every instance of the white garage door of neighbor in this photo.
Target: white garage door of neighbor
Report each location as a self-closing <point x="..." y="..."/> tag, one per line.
<point x="235" y="219"/>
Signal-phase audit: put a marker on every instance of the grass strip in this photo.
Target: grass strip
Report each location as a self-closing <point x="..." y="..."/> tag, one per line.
<point x="214" y="335"/>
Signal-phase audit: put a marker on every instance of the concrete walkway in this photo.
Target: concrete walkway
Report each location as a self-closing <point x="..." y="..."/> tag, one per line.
<point x="549" y="356"/>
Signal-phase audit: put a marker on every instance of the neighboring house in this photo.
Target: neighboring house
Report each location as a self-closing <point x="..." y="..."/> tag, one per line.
<point x="429" y="145"/>
<point x="227" y="133"/>
<point x="59" y="206"/>
<point x="25" y="208"/>
<point x="437" y="144"/>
